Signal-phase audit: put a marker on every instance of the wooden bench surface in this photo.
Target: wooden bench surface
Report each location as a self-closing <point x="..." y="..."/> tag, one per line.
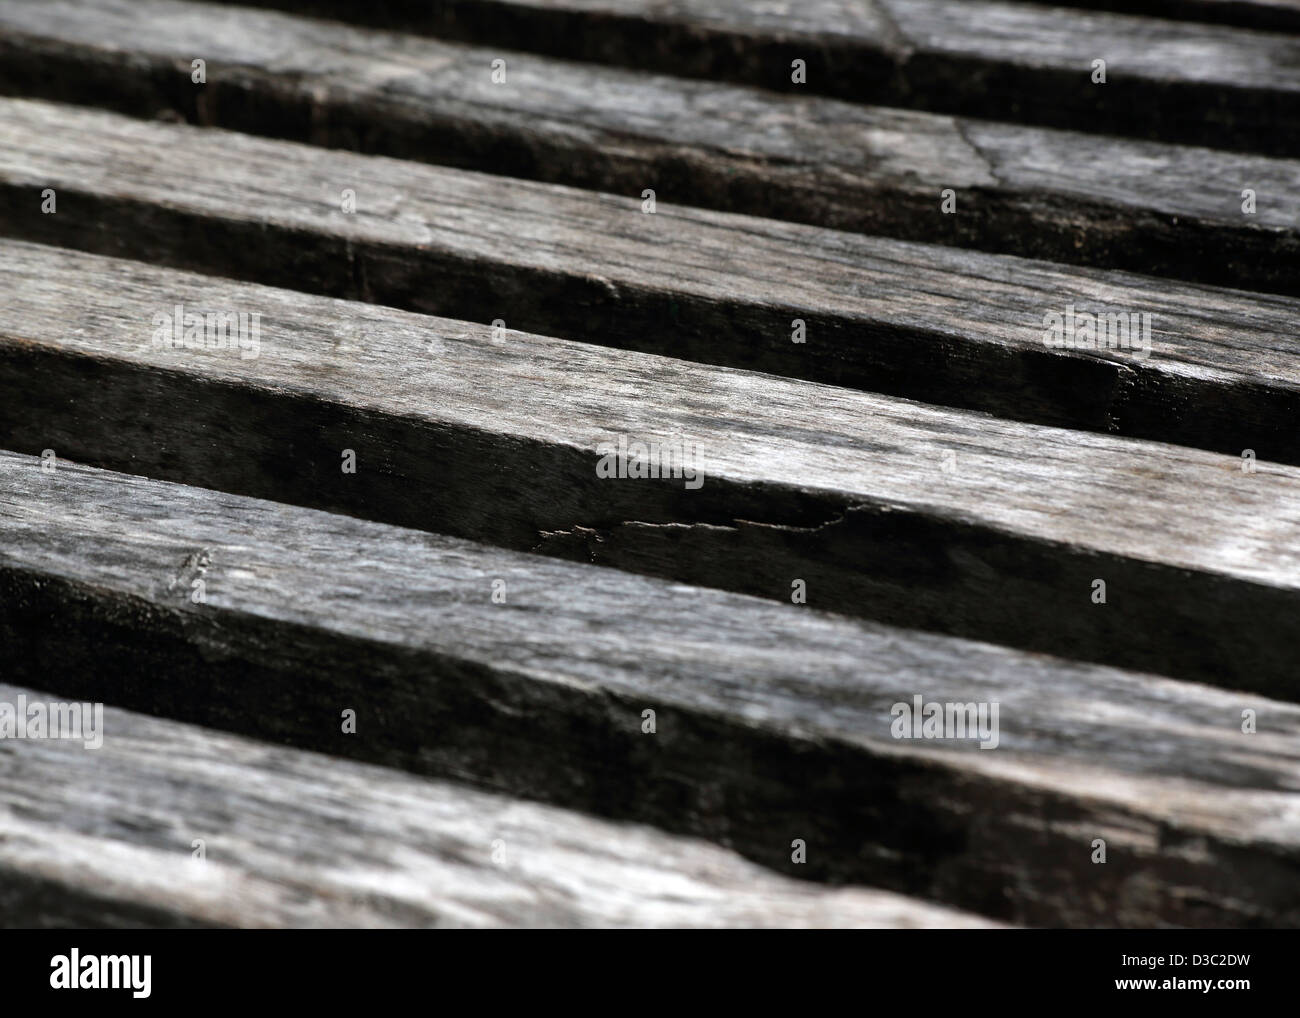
<point x="944" y="325"/>
<point x="1062" y="195"/>
<point x="858" y="495"/>
<point x="649" y="691"/>
<point x="771" y="724"/>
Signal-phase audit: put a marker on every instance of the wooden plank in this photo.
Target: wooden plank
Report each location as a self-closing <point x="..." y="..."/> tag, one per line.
<point x="1172" y="80"/>
<point x="936" y="324"/>
<point x="1267" y="15"/>
<point x="1176" y="81"/>
<point x="772" y="723"/>
<point x="921" y="516"/>
<point x="1077" y="198"/>
<point x="106" y="837"/>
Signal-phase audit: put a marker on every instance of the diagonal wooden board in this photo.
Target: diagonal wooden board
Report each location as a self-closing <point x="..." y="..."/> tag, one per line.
<point x="1270" y="15"/>
<point x="1169" y="79"/>
<point x="931" y="323"/>
<point x="1077" y="198"/>
<point x="771" y="723"/>
<point x="885" y="508"/>
<point x="107" y="837"/>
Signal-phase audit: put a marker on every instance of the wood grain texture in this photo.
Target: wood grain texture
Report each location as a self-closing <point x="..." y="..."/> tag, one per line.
<point x="936" y="324"/>
<point x="1181" y="82"/>
<point x="1267" y="15"/>
<point x="920" y="516"/>
<point x="295" y="839"/>
<point x="772" y="722"/>
<point x="1077" y="198"/>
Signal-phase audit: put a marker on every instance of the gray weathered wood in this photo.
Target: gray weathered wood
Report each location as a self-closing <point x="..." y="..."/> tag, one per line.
<point x="921" y="516"/>
<point x="931" y="323"/>
<point x="772" y="723"/>
<point x="105" y="837"/>
<point x="1271" y="15"/>
<point x="1084" y="199"/>
<point x="1165" y="79"/>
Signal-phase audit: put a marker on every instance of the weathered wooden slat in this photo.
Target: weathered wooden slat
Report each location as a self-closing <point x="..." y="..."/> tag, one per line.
<point x="1268" y="15"/>
<point x="771" y="723"/>
<point x="106" y="837"/>
<point x="885" y="508"/>
<point x="1083" y="199"/>
<point x="937" y="324"/>
<point x="1181" y="82"/>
